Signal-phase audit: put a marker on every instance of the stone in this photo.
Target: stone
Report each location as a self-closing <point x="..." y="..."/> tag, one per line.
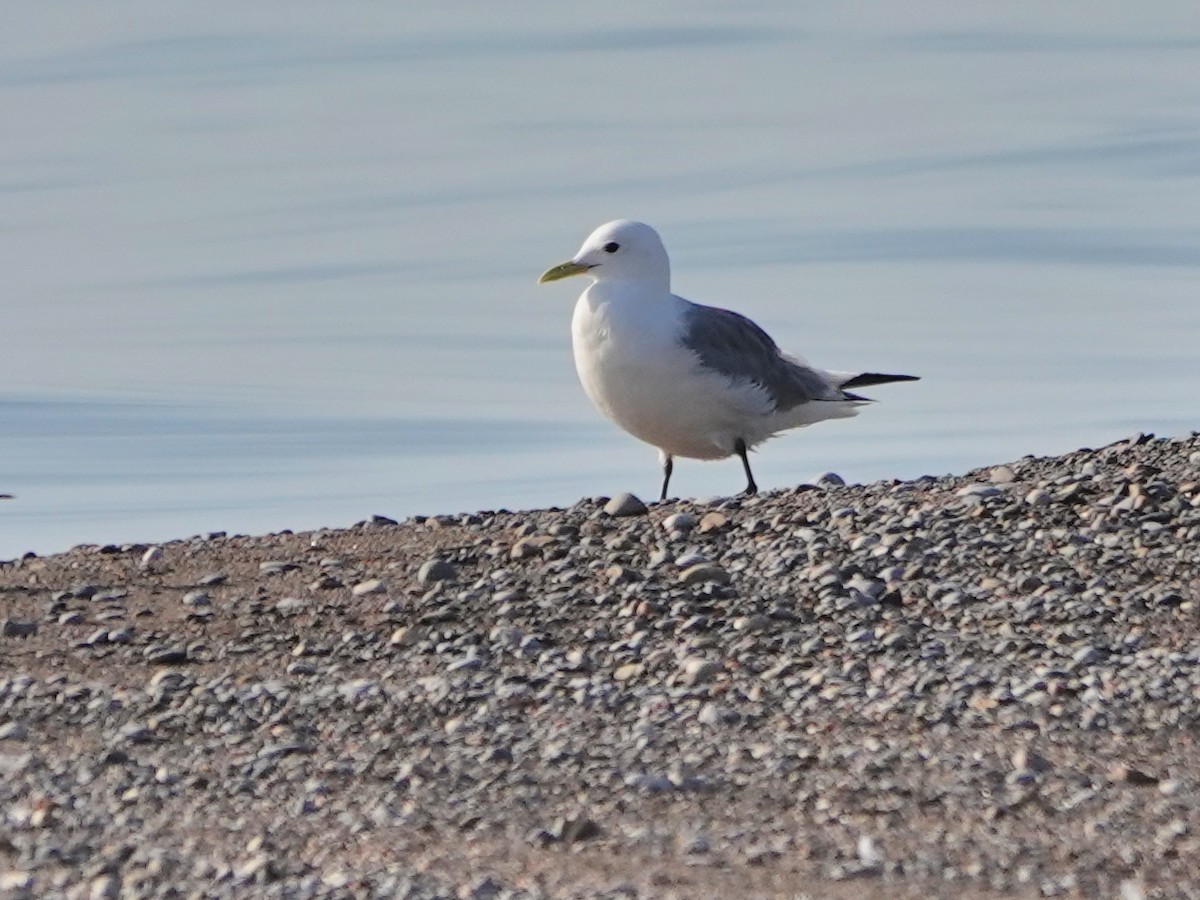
<point x="625" y="504"/>
<point x="17" y="628"/>
<point x="628" y="671"/>
<point x="713" y="521"/>
<point x="13" y="731"/>
<point x="698" y="670"/>
<point x="681" y="521"/>
<point x="405" y="636"/>
<point x="702" y="573"/>
<point x="435" y="570"/>
<point x="376" y="586"/>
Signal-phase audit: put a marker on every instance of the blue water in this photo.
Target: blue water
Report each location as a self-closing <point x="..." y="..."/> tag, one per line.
<point x="273" y="266"/>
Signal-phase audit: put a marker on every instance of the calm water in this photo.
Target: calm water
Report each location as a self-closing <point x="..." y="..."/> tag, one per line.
<point x="273" y="266"/>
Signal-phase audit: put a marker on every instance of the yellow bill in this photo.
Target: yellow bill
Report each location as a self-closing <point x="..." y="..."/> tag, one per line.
<point x="563" y="270"/>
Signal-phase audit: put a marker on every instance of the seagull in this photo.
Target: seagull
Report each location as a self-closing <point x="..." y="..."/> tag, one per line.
<point x="692" y="380"/>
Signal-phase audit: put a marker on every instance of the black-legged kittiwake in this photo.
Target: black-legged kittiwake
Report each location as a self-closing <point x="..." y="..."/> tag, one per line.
<point x="691" y="380"/>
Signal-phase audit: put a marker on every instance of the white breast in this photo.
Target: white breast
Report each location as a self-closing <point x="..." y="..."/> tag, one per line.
<point x="636" y="371"/>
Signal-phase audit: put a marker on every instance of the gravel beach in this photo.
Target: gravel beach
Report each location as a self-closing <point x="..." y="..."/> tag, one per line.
<point x="985" y="685"/>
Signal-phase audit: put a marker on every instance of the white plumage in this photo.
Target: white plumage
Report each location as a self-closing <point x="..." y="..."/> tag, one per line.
<point x="691" y="380"/>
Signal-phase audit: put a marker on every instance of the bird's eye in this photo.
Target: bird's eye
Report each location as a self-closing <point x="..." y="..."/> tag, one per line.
<point x="612" y="247"/>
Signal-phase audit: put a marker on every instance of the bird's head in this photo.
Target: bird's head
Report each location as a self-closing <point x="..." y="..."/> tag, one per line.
<point x="623" y="250"/>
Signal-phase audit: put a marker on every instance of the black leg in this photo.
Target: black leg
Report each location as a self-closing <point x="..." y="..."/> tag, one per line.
<point x="751" y="487"/>
<point x="668" y="467"/>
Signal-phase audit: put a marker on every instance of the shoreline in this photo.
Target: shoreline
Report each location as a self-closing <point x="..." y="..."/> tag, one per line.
<point x="977" y="685"/>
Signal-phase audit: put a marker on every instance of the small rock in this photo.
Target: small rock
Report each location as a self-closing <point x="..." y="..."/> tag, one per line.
<point x="751" y="624"/>
<point x="1001" y="475"/>
<point x="831" y="479"/>
<point x="15" y="882"/>
<point x="289" y="606"/>
<point x="434" y="570"/>
<point x="373" y="586"/>
<point x="1132" y="775"/>
<point x="702" y="573"/>
<point x="166" y="681"/>
<point x="868" y="852"/>
<point x="572" y="829"/>
<point x="13" y="731"/>
<point x="713" y="521"/>
<point x="18" y="628"/>
<point x="532" y="545"/>
<point x="698" y="670"/>
<point x="470" y="662"/>
<point x="276" y="567"/>
<point x="164" y="655"/>
<point x="650" y="783"/>
<point x="106" y="887"/>
<point x="978" y="490"/>
<point x="628" y="671"/>
<point x="196" y="598"/>
<point x="1025" y="759"/>
<point x="1086" y="655"/>
<point x="621" y="575"/>
<point x="486" y="888"/>
<point x="150" y="558"/>
<point x="625" y="504"/>
<point x="405" y="636"/>
<point x="681" y="521"/>
<point x="136" y="733"/>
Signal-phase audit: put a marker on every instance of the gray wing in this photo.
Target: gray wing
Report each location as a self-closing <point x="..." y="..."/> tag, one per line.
<point x="731" y="344"/>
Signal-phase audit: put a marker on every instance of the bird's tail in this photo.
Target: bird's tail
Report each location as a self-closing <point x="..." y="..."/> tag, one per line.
<point x="866" y="379"/>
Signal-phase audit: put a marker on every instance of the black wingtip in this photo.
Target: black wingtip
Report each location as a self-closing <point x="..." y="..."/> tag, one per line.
<point x="866" y="379"/>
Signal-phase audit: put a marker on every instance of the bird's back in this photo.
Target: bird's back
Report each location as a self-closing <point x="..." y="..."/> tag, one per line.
<point x="731" y="344"/>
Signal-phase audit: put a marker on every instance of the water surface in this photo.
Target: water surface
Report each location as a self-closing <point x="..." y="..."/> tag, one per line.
<point x="274" y="267"/>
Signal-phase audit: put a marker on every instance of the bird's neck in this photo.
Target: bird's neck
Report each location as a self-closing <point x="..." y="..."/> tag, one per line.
<point x="639" y="292"/>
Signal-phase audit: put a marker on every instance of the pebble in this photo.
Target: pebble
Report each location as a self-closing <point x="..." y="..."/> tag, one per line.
<point x="625" y="504"/>
<point x="16" y="628"/>
<point x="375" y="586"/>
<point x="197" y="598"/>
<point x="704" y="572"/>
<point x="683" y="522"/>
<point x="435" y="570"/>
<point x="405" y="636"/>
<point x="15" y="881"/>
<point x="165" y="655"/>
<point x="628" y="671"/>
<point x="13" y="731"/>
<point x="698" y="670"/>
<point x="289" y="606"/>
<point x="801" y="682"/>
